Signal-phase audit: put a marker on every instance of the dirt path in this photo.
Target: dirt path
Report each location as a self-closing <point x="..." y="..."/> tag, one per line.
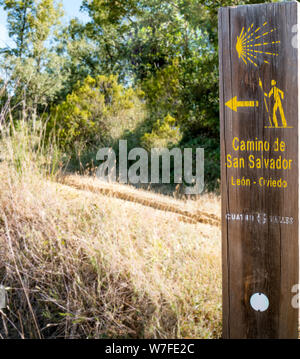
<point x="144" y="198"/>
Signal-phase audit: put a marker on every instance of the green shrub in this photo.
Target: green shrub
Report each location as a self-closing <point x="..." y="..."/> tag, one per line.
<point x="163" y="91"/>
<point x="94" y="110"/>
<point x="165" y="134"/>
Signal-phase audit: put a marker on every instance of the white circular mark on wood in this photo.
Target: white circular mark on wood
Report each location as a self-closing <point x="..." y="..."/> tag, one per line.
<point x="259" y="302"/>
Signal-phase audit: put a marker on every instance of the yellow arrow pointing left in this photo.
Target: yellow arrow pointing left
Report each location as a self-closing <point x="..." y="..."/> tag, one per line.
<point x="234" y="104"/>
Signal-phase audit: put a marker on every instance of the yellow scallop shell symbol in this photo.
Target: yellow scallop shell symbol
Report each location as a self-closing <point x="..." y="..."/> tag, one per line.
<point x="253" y="44"/>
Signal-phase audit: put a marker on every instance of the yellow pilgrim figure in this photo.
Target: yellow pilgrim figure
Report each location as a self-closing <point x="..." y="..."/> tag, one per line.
<point x="278" y="95"/>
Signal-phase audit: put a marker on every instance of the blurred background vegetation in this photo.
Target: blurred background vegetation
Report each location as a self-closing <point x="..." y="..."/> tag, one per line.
<point x="141" y="70"/>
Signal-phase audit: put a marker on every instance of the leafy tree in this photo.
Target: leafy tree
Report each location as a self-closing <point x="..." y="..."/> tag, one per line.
<point x="18" y="25"/>
<point x="31" y="62"/>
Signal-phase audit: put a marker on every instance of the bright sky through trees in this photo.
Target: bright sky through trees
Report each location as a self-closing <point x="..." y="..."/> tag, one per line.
<point x="71" y="8"/>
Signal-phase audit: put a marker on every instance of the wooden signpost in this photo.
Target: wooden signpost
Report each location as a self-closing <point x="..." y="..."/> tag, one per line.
<point x="259" y="109"/>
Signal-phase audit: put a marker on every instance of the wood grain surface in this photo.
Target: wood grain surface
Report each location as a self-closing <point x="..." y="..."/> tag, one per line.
<point x="259" y="220"/>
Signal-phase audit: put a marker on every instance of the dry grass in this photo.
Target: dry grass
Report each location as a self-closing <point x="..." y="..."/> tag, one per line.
<point x="78" y="264"/>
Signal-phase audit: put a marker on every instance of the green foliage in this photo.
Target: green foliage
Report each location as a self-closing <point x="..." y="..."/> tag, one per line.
<point x="163" y="91"/>
<point x="29" y="24"/>
<point x="18" y="24"/>
<point x="164" y="134"/>
<point x="169" y="53"/>
<point x="168" y="49"/>
<point x="91" y="112"/>
<point x="187" y="90"/>
<point x="3" y="95"/>
<point x="34" y="68"/>
<point x="81" y="57"/>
